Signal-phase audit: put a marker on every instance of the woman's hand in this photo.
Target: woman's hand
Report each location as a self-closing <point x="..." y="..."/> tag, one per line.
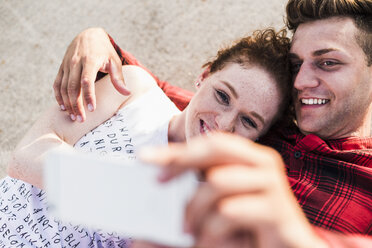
<point x="246" y="200"/>
<point x="91" y="51"/>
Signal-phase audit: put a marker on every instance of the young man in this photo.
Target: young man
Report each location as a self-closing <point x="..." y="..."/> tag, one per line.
<point x="253" y="198"/>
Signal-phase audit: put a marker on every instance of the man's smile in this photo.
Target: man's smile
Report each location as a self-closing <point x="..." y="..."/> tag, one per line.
<point x="313" y="101"/>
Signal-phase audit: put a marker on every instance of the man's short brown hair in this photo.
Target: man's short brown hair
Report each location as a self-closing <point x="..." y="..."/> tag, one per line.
<point x="302" y="11"/>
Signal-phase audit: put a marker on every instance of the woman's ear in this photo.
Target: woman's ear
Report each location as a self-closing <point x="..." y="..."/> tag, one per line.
<point x="202" y="76"/>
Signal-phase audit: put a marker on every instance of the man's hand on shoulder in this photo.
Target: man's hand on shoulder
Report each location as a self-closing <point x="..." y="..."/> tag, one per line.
<point x="90" y="52"/>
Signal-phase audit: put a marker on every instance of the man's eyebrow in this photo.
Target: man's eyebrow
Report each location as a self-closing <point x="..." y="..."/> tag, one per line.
<point x="231" y="89"/>
<point x="315" y="53"/>
<point x="324" y="51"/>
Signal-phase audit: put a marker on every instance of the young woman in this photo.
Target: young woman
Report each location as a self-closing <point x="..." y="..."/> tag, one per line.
<point x="243" y="91"/>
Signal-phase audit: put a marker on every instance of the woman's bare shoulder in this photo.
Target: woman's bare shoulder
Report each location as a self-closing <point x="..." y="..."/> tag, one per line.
<point x="137" y="79"/>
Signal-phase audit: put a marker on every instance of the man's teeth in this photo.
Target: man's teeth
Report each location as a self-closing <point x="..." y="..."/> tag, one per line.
<point x="312" y="101"/>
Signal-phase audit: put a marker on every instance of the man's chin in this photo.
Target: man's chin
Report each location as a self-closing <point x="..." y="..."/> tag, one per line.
<point x="308" y="127"/>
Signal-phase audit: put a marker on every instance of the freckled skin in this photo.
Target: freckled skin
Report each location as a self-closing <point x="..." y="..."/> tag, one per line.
<point x="257" y="92"/>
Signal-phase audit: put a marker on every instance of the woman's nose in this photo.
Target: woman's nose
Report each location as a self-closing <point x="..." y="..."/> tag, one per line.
<point x="226" y="122"/>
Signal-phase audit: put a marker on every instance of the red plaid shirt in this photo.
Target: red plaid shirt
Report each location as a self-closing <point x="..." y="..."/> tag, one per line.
<point x="332" y="179"/>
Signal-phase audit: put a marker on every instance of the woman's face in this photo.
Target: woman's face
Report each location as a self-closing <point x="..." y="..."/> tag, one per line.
<point x="241" y="100"/>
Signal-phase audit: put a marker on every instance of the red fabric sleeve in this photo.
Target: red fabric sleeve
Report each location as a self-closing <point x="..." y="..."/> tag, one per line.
<point x="339" y="240"/>
<point x="179" y="96"/>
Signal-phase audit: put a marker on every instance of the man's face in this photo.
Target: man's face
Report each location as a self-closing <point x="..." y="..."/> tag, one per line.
<point x="332" y="82"/>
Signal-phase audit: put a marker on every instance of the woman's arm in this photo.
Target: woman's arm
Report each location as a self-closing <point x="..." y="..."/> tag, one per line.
<point x="54" y="129"/>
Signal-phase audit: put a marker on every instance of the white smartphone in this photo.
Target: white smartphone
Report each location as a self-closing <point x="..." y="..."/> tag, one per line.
<point x="120" y="196"/>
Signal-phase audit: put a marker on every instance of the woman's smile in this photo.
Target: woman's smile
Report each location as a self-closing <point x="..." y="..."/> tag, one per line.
<point x="204" y="128"/>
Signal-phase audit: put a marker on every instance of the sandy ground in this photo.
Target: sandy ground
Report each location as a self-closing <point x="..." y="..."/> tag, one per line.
<point x="171" y="37"/>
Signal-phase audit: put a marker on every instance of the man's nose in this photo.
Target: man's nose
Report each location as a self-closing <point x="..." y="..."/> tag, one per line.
<point x="305" y="78"/>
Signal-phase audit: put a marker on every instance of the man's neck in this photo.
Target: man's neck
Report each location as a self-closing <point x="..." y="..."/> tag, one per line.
<point x="364" y="131"/>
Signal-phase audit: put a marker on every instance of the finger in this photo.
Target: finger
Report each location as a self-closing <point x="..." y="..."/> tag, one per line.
<point x="89" y="73"/>
<point x="105" y="66"/>
<point x="251" y="214"/>
<point x="57" y="88"/>
<point x="164" y="157"/>
<point x="199" y="206"/>
<point x="200" y="152"/>
<point x="233" y="216"/>
<point x="74" y="91"/>
<point x="80" y="117"/>
<point x="116" y="75"/>
<point x="222" y="182"/>
<point x="239" y="178"/>
<point x="271" y="225"/>
<point x="172" y="159"/>
<point x="144" y="244"/>
<point x="246" y="211"/>
<point x="64" y="93"/>
<point x="204" y="152"/>
<point x="221" y="231"/>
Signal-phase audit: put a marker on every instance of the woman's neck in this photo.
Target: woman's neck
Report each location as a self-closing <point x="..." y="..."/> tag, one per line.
<point x="176" y="128"/>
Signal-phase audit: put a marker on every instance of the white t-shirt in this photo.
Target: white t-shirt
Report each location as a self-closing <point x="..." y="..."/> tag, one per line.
<point x="24" y="218"/>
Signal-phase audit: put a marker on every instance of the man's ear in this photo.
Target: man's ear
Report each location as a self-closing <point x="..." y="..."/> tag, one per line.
<point x="202" y="76"/>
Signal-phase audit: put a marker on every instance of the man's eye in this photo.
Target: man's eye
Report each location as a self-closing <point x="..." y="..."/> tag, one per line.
<point x="328" y="63"/>
<point x="222" y="97"/>
<point x="248" y="122"/>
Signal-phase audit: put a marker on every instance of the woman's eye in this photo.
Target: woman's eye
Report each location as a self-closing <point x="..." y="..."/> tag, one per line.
<point x="222" y="97"/>
<point x="295" y="68"/>
<point x="248" y="122"/>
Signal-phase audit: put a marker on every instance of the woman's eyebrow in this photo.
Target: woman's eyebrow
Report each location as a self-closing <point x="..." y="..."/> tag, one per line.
<point x="231" y="89"/>
<point x="259" y="117"/>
